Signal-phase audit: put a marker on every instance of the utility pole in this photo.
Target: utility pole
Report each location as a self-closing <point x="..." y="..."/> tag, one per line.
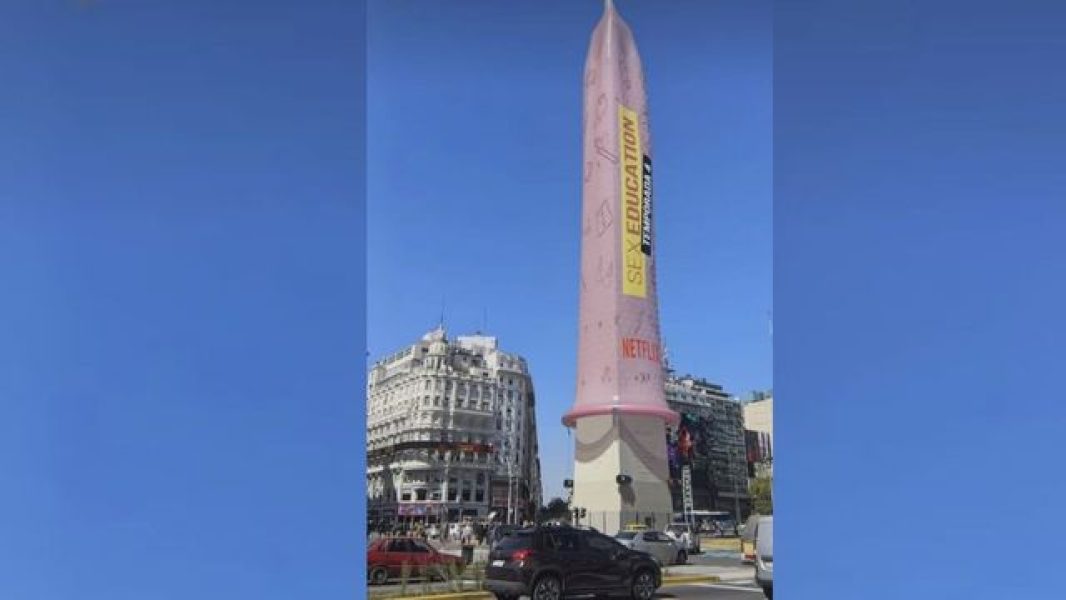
<point x="510" y="481"/>
<point x="736" y="489"/>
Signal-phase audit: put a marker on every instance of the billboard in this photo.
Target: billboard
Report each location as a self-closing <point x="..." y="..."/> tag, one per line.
<point x="689" y="443"/>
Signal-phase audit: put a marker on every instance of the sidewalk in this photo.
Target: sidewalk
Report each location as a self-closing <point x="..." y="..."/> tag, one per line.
<point x="737" y="574"/>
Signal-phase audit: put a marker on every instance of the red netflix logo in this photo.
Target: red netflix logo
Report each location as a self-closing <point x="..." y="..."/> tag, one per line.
<point x="638" y="348"/>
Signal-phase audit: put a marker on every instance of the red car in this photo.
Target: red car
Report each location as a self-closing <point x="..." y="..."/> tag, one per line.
<point x="385" y="559"/>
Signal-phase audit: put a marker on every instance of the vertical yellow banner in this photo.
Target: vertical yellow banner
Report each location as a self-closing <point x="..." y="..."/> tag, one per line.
<point x="634" y="271"/>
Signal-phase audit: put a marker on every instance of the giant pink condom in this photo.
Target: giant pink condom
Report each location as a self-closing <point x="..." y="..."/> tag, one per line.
<point x="620" y="363"/>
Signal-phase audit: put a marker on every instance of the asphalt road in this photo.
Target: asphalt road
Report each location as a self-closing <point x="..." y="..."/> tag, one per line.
<point x="712" y="591"/>
<point x="737" y="581"/>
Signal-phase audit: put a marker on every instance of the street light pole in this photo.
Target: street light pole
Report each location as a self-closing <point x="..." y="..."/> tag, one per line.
<point x="736" y="489"/>
<point x="509" y="489"/>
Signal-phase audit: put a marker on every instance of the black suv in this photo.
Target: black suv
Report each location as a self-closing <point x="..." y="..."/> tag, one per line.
<point x="501" y="531"/>
<point x="548" y="562"/>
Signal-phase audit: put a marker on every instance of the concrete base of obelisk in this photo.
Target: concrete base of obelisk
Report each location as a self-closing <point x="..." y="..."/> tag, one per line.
<point x="612" y="445"/>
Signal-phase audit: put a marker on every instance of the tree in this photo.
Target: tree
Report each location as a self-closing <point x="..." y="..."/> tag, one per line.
<point x="762" y="495"/>
<point x="557" y="508"/>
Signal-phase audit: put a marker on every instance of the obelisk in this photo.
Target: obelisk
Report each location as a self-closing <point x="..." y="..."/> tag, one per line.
<point x="620" y="412"/>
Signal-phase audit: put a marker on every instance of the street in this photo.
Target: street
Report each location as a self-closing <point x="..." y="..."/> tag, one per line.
<point x="736" y="580"/>
<point x="715" y="591"/>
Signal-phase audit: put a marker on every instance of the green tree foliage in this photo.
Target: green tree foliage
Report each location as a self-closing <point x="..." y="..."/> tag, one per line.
<point x="762" y="494"/>
<point x="556" y="509"/>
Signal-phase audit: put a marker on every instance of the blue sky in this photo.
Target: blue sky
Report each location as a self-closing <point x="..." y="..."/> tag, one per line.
<point x="919" y="293"/>
<point x="181" y="324"/>
<point x="181" y="285"/>
<point x="474" y="192"/>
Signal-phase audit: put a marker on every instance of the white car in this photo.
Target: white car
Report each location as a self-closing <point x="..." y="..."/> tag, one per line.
<point x="685" y="538"/>
<point x="764" y="556"/>
<point x="659" y="545"/>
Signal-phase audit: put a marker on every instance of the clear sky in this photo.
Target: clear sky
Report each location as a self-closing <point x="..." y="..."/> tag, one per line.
<point x="181" y="257"/>
<point x="474" y="191"/>
<point x="919" y="288"/>
<point x="180" y="300"/>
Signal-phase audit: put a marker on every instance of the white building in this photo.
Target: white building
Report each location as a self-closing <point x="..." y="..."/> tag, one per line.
<point x="759" y="421"/>
<point x="759" y="413"/>
<point x="451" y="433"/>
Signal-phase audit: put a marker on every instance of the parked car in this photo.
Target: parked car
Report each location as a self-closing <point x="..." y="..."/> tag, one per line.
<point x="683" y="534"/>
<point x="747" y="539"/>
<point x="385" y="559"/>
<point x="550" y="562"/>
<point x="764" y="556"/>
<point x="659" y="545"/>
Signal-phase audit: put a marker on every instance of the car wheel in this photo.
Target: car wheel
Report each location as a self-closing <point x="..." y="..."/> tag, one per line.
<point x="379" y="575"/>
<point x="547" y="588"/>
<point x="682" y="558"/>
<point x="643" y="586"/>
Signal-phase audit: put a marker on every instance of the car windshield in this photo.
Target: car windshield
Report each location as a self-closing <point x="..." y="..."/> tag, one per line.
<point x="517" y="539"/>
<point x="626" y="535"/>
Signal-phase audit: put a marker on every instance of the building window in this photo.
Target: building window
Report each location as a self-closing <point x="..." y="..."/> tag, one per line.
<point x="420" y="494"/>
